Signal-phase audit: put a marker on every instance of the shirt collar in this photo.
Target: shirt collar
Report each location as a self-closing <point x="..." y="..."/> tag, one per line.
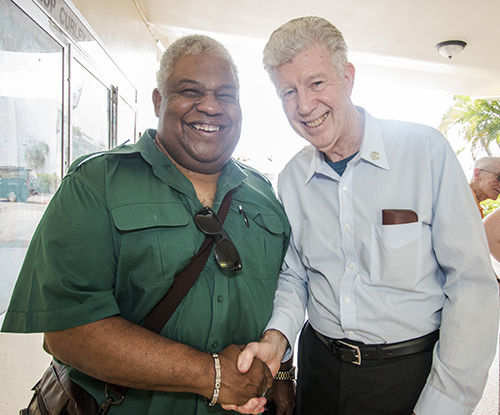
<point x="372" y="150"/>
<point x="163" y="168"/>
<point x="372" y="147"/>
<point x="318" y="165"/>
<point x="481" y="209"/>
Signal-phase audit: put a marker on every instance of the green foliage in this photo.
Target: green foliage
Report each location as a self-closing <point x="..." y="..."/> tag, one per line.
<point x="490" y="205"/>
<point x="478" y="122"/>
<point x="36" y="151"/>
<point x="83" y="144"/>
<point x="48" y="183"/>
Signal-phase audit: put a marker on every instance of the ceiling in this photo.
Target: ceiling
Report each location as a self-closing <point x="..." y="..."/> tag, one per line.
<point x="391" y="39"/>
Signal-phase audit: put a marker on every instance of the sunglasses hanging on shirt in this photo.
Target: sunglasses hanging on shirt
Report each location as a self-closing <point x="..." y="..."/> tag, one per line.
<point x="226" y="255"/>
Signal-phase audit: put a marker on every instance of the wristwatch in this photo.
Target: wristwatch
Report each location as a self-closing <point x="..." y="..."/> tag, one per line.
<point x="286" y="374"/>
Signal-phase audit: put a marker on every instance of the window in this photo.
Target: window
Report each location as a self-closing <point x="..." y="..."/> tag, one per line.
<point x="30" y="135"/>
<point x="55" y="105"/>
<point x="90" y="105"/>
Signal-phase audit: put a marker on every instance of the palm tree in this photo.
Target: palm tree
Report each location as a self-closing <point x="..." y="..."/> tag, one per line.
<point x="479" y="122"/>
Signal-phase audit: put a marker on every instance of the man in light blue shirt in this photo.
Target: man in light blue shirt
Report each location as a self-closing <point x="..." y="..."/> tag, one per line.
<point x="379" y="289"/>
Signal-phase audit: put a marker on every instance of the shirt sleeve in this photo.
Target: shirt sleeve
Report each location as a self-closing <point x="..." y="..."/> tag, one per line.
<point x="67" y="278"/>
<point x="469" y="320"/>
<point x="290" y="298"/>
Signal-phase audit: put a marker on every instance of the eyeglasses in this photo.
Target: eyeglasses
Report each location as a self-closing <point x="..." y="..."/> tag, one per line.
<point x="226" y="254"/>
<point x="492" y="172"/>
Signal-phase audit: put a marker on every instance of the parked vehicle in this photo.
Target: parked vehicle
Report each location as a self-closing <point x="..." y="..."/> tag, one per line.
<point x="17" y="183"/>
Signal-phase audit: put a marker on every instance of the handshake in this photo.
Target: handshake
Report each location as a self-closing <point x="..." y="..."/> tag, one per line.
<point x="244" y="382"/>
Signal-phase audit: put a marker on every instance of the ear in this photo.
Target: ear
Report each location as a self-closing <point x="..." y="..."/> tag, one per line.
<point x="477" y="173"/>
<point x="157" y="101"/>
<point x="349" y="74"/>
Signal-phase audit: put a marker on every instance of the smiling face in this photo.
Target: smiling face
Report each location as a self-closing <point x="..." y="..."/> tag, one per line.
<point x="199" y="113"/>
<point x="316" y="100"/>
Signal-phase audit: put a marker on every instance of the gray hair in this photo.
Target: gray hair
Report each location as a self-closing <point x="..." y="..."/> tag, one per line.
<point x="191" y="45"/>
<point x="299" y="34"/>
<point x="487" y="163"/>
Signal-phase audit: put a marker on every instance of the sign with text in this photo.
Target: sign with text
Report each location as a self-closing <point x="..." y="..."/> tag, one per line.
<point x="69" y="21"/>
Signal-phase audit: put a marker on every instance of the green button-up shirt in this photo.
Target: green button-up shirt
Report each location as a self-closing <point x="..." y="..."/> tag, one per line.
<point x="114" y="236"/>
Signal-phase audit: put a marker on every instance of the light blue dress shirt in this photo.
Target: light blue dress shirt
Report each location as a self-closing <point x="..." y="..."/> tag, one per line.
<point x="361" y="280"/>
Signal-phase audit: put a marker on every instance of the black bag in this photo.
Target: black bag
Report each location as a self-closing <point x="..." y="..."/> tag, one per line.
<point x="56" y="394"/>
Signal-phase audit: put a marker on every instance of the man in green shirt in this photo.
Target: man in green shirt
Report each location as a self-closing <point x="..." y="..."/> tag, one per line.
<point x="121" y="227"/>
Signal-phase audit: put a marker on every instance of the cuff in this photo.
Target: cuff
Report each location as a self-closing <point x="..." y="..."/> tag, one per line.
<point x="285" y="328"/>
<point x="434" y="402"/>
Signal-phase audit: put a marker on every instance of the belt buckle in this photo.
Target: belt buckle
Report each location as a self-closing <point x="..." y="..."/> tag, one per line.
<point x="357" y="355"/>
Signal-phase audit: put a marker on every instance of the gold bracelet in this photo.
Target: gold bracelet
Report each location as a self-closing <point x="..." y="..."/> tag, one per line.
<point x="286" y="374"/>
<point x="215" y="396"/>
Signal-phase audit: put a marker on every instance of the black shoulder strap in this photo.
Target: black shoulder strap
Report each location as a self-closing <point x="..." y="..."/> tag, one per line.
<point x="160" y="314"/>
<point x="183" y="282"/>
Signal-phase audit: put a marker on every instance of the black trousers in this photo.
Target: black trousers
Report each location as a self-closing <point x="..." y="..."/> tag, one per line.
<point x="326" y="386"/>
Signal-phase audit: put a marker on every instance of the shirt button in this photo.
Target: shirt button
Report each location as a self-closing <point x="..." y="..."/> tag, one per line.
<point x="346" y="227"/>
<point x="344" y="188"/>
<point x="350" y="334"/>
<point x="347" y="300"/>
<point x="220" y="298"/>
<point x="214" y="345"/>
<point x="351" y="265"/>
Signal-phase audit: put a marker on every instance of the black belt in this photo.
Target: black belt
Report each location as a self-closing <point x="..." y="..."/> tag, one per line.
<point x="356" y="353"/>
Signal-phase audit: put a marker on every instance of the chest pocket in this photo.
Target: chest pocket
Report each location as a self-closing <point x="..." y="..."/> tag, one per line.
<point x="262" y="249"/>
<point x="396" y="254"/>
<point x="155" y="241"/>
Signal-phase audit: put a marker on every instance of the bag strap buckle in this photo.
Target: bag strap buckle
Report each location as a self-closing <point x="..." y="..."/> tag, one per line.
<point x="103" y="410"/>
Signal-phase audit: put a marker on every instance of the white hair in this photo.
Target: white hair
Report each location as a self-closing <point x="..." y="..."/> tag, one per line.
<point x="191" y="45"/>
<point x="302" y="33"/>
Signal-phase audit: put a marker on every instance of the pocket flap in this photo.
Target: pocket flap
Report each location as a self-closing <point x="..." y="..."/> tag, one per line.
<point x="149" y="215"/>
<point x="269" y="222"/>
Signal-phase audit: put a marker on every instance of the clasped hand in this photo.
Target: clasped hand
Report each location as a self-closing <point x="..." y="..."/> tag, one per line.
<point x="238" y="387"/>
<point x="269" y="350"/>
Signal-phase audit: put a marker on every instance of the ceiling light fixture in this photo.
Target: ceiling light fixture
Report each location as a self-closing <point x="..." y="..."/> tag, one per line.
<point x="450" y="48"/>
